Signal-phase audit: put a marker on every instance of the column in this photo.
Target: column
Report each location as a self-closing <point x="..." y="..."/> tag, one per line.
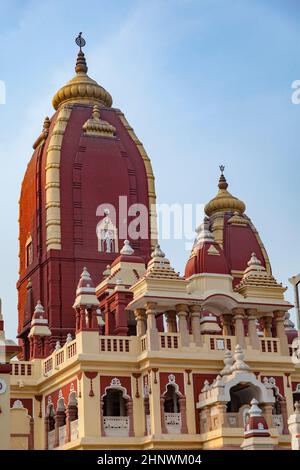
<point x="71" y="412"/>
<point x="182" y="407"/>
<point x="267" y="326"/>
<point x="129" y="409"/>
<point x="162" y="415"/>
<point x="155" y="405"/>
<point x="89" y="424"/>
<point x="226" y="324"/>
<point x="252" y="333"/>
<point x="140" y="318"/>
<point x="280" y="333"/>
<point x="59" y="421"/>
<point x="152" y="333"/>
<point x="267" y="411"/>
<point x="283" y="412"/>
<point x="146" y="412"/>
<point x="195" y="321"/>
<point x="239" y="326"/>
<point x="182" y="312"/>
<point x="222" y="414"/>
<point x="46" y="430"/>
<point x="171" y="321"/>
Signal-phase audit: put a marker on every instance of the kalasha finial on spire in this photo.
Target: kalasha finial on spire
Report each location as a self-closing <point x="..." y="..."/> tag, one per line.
<point x="81" y="62"/>
<point x="222" y="181"/>
<point x="80" y="41"/>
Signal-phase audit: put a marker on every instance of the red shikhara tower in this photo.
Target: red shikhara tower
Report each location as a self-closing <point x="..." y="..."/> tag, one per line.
<point x="86" y="156"/>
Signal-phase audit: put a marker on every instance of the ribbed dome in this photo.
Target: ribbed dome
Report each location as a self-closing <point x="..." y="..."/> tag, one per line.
<point x="224" y="201"/>
<point x="82" y="88"/>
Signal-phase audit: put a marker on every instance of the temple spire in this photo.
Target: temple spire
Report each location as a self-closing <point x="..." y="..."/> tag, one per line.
<point x="222" y="181"/>
<point x="81" y="66"/>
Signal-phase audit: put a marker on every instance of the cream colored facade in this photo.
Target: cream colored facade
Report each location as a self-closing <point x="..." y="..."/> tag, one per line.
<point x="68" y="387"/>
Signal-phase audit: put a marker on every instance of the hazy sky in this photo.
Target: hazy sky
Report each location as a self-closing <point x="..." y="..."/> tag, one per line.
<point x="202" y="82"/>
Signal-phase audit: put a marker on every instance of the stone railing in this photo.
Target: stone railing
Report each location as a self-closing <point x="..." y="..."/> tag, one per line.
<point x="74" y="430"/>
<point x="278" y="423"/>
<point x="116" y="425"/>
<point x="169" y="340"/>
<point x="59" y="357"/>
<point x="220" y="343"/>
<point x="62" y="435"/>
<point x="270" y="345"/>
<point x="119" y="344"/>
<point x="144" y="344"/>
<point x="22" y="368"/>
<point x="173" y="422"/>
<point x="51" y="437"/>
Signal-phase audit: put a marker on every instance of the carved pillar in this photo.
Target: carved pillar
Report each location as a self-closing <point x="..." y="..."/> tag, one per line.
<point x="101" y="417"/>
<point x="182" y="312"/>
<point x="280" y="333"/>
<point x="226" y="324"/>
<point x="252" y="333"/>
<point x="283" y="411"/>
<point x="152" y="333"/>
<point x="129" y="409"/>
<point x="162" y="414"/>
<point x="195" y="321"/>
<point x="70" y="416"/>
<point x="182" y="407"/>
<point x="222" y="414"/>
<point x="140" y="318"/>
<point x="121" y="328"/>
<point x="31" y="435"/>
<point x="147" y="412"/>
<point x="267" y="326"/>
<point x="59" y="421"/>
<point x="46" y="430"/>
<point x="171" y="321"/>
<point x="268" y="411"/>
<point x="239" y="326"/>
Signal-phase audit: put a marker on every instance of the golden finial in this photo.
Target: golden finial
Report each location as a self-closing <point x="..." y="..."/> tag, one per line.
<point x="81" y="66"/>
<point x="224" y="201"/>
<point x="222" y="181"/>
<point x="82" y="88"/>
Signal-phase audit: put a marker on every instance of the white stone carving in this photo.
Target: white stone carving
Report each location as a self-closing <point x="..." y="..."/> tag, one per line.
<point x="18" y="404"/>
<point x="116" y="425"/>
<point x="115" y="382"/>
<point x="173" y="422"/>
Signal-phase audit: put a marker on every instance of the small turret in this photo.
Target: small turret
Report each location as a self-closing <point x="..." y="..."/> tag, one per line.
<point x="39" y="333"/>
<point x="256" y="434"/>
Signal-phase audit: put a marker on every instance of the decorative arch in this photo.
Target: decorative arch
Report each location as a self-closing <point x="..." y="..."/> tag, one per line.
<point x="248" y="378"/>
<point x="172" y="382"/>
<point x="115" y="384"/>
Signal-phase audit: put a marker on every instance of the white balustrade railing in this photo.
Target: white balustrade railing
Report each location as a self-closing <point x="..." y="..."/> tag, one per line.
<point x="116" y="425"/>
<point x="62" y="435"/>
<point x="278" y="423"/>
<point x="173" y="422"/>
<point x="51" y="436"/>
<point x="74" y="430"/>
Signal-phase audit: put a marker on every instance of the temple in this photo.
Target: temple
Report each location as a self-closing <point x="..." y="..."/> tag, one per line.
<point x="116" y="350"/>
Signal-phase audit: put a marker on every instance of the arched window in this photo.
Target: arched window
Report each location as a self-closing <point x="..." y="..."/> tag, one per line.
<point x="28" y="251"/>
<point x="114" y="403"/>
<point x="240" y="395"/>
<point x="171" y="403"/>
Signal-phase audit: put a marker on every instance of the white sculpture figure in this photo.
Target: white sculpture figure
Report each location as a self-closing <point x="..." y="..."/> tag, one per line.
<point x="294" y="427"/>
<point x="107" y="235"/>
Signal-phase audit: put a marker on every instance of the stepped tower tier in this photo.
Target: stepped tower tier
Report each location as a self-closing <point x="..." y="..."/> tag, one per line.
<point x="71" y="215"/>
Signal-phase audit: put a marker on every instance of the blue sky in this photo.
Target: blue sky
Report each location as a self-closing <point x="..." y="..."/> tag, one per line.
<point x="203" y="82"/>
